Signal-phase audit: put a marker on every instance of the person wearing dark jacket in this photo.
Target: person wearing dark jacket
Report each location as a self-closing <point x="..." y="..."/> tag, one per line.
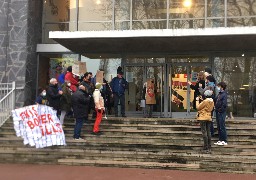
<point x="41" y="98"/>
<point x="200" y="80"/>
<point x="80" y="103"/>
<point x="53" y="95"/>
<point x="118" y="86"/>
<point x="65" y="101"/>
<point x="220" y="108"/>
<point x="90" y="89"/>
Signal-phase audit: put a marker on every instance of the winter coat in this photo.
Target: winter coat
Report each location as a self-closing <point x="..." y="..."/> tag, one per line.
<point x="149" y="93"/>
<point x="98" y="99"/>
<point x="221" y="102"/>
<point x="65" y="100"/>
<point x="89" y="87"/>
<point x="53" y="96"/>
<point x="118" y="86"/>
<point x="74" y="81"/>
<point x="205" y="109"/>
<point x="80" y="103"/>
<point x="41" y="100"/>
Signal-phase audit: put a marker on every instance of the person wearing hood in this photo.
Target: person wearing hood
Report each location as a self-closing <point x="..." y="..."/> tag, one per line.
<point x="53" y="95"/>
<point x="204" y="115"/>
<point x="73" y="79"/>
<point x="41" y="98"/>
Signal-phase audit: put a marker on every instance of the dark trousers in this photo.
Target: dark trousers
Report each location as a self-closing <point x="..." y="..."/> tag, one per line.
<point x="221" y="125"/>
<point x="205" y="128"/>
<point x="120" y="98"/>
<point x="78" y="127"/>
<point x="149" y="110"/>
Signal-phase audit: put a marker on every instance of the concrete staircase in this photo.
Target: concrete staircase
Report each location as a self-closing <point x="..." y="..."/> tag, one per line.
<point x="143" y="143"/>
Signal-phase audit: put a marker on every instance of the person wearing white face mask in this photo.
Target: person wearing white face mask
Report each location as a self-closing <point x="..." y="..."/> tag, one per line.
<point x="41" y="99"/>
<point x="65" y="100"/>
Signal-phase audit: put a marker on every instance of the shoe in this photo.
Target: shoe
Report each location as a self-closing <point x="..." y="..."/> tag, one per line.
<point x="222" y="143"/>
<point x="217" y="143"/>
<point x="79" y="139"/>
<point x="97" y="133"/>
<point x="124" y="115"/>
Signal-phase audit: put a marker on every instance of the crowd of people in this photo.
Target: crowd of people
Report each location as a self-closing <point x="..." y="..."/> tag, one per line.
<point x="80" y="96"/>
<point x="210" y="97"/>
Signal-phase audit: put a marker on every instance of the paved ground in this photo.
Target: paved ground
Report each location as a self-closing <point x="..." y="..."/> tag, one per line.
<point x="56" y="172"/>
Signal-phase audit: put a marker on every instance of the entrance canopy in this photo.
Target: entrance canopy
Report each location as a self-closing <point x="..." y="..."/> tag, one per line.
<point x="97" y="44"/>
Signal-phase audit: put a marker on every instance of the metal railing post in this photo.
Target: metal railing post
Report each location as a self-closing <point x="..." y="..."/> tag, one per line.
<point x="13" y="95"/>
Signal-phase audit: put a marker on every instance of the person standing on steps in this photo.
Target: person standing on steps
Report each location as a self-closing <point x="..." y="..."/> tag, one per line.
<point x="118" y="86"/>
<point x="99" y="108"/>
<point x="90" y="89"/>
<point x="200" y="80"/>
<point x="53" y="95"/>
<point x="80" y="103"/>
<point x="221" y="108"/>
<point x="65" y="101"/>
<point x="149" y="96"/>
<point x="72" y="78"/>
<point x="204" y="115"/>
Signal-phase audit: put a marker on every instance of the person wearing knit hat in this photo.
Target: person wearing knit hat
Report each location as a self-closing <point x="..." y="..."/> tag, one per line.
<point x="204" y="115"/>
<point x="99" y="108"/>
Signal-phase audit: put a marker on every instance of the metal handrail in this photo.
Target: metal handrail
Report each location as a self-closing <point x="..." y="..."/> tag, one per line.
<point x="7" y="103"/>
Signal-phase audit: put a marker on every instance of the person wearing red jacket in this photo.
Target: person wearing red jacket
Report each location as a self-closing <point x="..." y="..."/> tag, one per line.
<point x="73" y="80"/>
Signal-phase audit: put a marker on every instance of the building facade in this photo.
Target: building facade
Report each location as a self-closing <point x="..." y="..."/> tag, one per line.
<point x="167" y="40"/>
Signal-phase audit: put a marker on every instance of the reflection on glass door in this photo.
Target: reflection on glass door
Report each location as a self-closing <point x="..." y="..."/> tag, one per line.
<point x="134" y="76"/>
<point x="179" y="89"/>
<point x="156" y="73"/>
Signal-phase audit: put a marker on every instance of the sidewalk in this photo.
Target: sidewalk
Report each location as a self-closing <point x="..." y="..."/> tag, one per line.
<point x="56" y="172"/>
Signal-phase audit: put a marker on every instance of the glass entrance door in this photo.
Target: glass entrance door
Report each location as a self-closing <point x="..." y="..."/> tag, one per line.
<point x="156" y="73"/>
<point x="182" y="95"/>
<point x="136" y="76"/>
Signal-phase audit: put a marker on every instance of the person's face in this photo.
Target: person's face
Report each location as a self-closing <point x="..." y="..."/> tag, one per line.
<point x="206" y="74"/>
<point x="86" y="78"/>
<point x="55" y="82"/>
<point x="119" y="75"/>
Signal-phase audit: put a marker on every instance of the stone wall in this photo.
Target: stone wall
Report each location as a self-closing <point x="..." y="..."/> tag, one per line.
<point x="20" y="32"/>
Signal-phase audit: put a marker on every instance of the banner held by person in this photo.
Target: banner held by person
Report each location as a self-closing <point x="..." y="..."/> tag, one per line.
<point x="38" y="125"/>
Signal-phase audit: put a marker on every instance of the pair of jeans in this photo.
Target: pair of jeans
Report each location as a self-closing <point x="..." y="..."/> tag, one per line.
<point x="205" y="128"/>
<point x="78" y="127"/>
<point x="221" y="125"/>
<point x="120" y="98"/>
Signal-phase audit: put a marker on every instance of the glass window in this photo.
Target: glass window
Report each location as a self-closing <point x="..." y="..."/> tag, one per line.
<point x="52" y="65"/>
<point x="149" y="14"/>
<point x="95" y="15"/>
<point x="58" y="15"/>
<point x="108" y="65"/>
<point x="122" y="14"/>
<point x="186" y="14"/>
<point x="215" y="8"/>
<point x="216" y="11"/>
<point x="187" y="59"/>
<point x="241" y="8"/>
<point x="239" y="75"/>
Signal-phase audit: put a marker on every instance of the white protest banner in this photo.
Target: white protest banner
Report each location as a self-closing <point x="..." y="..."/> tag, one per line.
<point x="38" y="125"/>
